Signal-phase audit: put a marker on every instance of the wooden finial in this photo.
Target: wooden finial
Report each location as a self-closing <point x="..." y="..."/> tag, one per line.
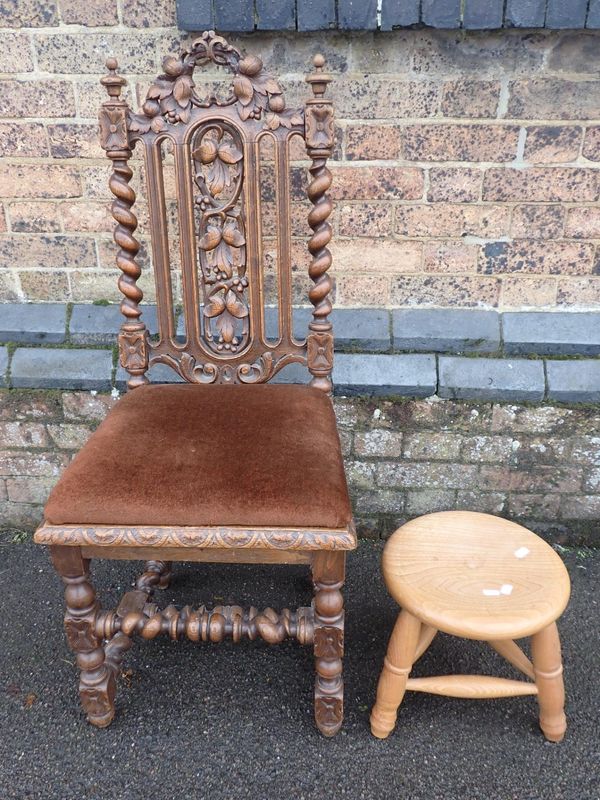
<point x="112" y="82"/>
<point x="318" y="79"/>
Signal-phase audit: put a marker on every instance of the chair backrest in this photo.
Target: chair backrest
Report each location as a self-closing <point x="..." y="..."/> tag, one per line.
<point x="219" y="157"/>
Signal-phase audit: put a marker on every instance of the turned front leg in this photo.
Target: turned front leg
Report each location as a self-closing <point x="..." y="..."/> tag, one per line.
<point x="548" y="671"/>
<point x="328" y="578"/>
<point x="397" y="665"/>
<point x="97" y="681"/>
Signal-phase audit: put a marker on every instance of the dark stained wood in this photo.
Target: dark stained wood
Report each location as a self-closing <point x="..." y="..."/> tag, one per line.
<point x="216" y="157"/>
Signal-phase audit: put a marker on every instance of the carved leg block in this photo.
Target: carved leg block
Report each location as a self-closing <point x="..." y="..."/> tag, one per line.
<point x="328" y="577"/>
<point x="97" y="681"/>
<point x="548" y="671"/>
<point x="394" y="675"/>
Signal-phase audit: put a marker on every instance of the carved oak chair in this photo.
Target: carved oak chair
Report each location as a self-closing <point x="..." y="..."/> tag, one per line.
<point x="223" y="467"/>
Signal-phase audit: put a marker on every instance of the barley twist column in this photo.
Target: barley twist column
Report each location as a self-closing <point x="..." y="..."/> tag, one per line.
<point x="319" y="133"/>
<point x="133" y="338"/>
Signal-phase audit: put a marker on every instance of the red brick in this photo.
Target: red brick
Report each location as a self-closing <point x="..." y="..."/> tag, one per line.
<point x="487" y="449"/>
<point x="15" y="52"/>
<point x="29" y="14"/>
<point x="14" y="462"/>
<point x="365" y="219"/>
<point x="449" y="256"/>
<point x="454" y="185"/>
<point x="452" y="220"/>
<point x="23" y="434"/>
<point x="591" y="144"/>
<point x="428" y="501"/>
<point x="580" y="292"/>
<point x="378" y="255"/>
<point x="2" y="220"/>
<point x="67" y="436"/>
<point x="366" y="142"/>
<point x="437" y="446"/>
<point x="470" y="98"/>
<point x="29" y="490"/>
<point x="39" y="180"/>
<point x="552" y="144"/>
<point x="27" y="140"/>
<point x="552" y="98"/>
<point x="80" y="405"/>
<point x="377" y="183"/>
<point x="547" y="478"/>
<point x="37" y="98"/>
<point x="537" y="222"/>
<point x="29" y="406"/>
<point x="378" y="444"/>
<point x="31" y="216"/>
<point x="460" y="142"/>
<point x="583" y="222"/>
<point x="444" y="290"/>
<point x="426" y="475"/>
<point x="484" y="502"/>
<point x="92" y="14"/>
<point x="538" y="506"/>
<point x="74" y="140"/>
<point x="520" y="291"/>
<point x="581" y="506"/>
<point x="50" y="252"/>
<point x="72" y="54"/>
<point x="541" y="184"/>
<point x="87" y="216"/>
<point x="41" y="286"/>
<point x="385" y="98"/>
<point x="363" y="290"/>
<point x="527" y="255"/>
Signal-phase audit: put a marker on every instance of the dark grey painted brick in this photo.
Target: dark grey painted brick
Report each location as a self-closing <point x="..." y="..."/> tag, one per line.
<point x="276" y="15"/>
<point x="441" y="13"/>
<point x="399" y="12"/>
<point x="234" y="15"/>
<point x="195" y="15"/>
<point x="46" y="368"/>
<point x="593" y="17"/>
<point x="548" y="333"/>
<point x="33" y="322"/>
<point x="575" y="381"/>
<point x="100" y="324"/>
<point x="357" y="14"/>
<point x="316" y="15"/>
<point x="566" y="13"/>
<point x="491" y="379"/>
<point x="3" y="365"/>
<point x="525" y="13"/>
<point x="408" y="375"/>
<point x="446" y="330"/>
<point x="482" y="14"/>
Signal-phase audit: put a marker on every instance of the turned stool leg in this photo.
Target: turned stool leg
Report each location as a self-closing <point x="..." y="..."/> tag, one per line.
<point x="548" y="671"/>
<point x="97" y="681"/>
<point x="396" y="669"/>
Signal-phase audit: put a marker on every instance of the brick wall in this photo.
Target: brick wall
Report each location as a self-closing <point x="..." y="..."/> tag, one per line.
<point x="466" y="173"/>
<point x="540" y="466"/>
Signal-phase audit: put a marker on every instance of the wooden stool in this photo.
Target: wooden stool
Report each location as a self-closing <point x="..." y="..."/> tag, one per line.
<point x="480" y="577"/>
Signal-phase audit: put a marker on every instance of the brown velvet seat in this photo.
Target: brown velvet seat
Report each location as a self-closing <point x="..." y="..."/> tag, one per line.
<point x="265" y="456"/>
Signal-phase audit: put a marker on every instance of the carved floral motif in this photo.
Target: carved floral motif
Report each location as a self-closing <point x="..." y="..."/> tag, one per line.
<point x="133" y="350"/>
<point x="113" y="128"/>
<point x="320" y="131"/>
<point x="254" y="93"/>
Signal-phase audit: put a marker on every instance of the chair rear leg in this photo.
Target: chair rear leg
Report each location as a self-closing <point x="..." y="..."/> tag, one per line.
<point x="328" y="578"/>
<point x="97" y="681"/>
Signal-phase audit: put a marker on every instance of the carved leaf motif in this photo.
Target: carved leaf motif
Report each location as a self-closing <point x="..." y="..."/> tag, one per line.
<point x="211" y="238"/>
<point x="233" y="236"/>
<point x="243" y="89"/>
<point x="229" y="153"/>
<point x="182" y="90"/>
<point x="234" y="306"/>
<point x="215" y="306"/>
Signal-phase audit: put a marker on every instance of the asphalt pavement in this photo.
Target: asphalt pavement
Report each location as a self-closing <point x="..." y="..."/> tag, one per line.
<point x="226" y="721"/>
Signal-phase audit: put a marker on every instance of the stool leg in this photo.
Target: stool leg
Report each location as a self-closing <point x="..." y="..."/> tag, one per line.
<point x="547" y="667"/>
<point x="396" y="669"/>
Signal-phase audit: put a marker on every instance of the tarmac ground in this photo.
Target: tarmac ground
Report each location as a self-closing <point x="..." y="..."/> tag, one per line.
<point x="203" y="721"/>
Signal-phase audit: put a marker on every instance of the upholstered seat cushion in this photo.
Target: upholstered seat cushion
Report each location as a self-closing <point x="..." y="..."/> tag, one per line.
<point x="258" y="455"/>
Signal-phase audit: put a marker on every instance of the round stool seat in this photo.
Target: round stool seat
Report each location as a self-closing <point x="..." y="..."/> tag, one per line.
<point x="475" y="575"/>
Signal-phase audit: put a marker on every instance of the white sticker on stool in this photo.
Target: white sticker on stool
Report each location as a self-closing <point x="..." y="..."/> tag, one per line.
<point x="522" y="552"/>
<point x="491" y="592"/>
<point x="506" y="588"/>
